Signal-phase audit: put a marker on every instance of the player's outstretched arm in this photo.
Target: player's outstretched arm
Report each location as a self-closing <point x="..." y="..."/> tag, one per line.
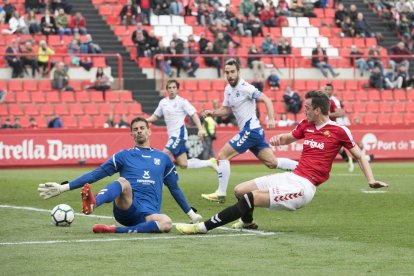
<point x="222" y="111"/>
<point x="197" y="122"/>
<point x="152" y="118"/>
<point x="52" y="189"/>
<point x="282" y="139"/>
<point x="366" y="168"/>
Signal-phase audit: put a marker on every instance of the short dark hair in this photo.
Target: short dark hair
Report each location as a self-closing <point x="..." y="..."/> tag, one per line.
<point x="172" y="81"/>
<point x="234" y="62"/>
<point x="139" y="119"/>
<point x="319" y="99"/>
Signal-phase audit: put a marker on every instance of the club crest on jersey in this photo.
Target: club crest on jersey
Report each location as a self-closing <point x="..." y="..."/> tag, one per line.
<point x="237" y="93"/>
<point x="146" y="175"/>
<point x="327" y="133"/>
<point x="157" y="161"/>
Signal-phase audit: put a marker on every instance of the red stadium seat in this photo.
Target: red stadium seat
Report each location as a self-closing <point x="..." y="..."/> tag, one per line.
<point x="383" y="118"/>
<point x="91" y="109"/>
<point x="105" y="109"/>
<point x="15" y="85"/>
<point x="359" y="107"/>
<point x="126" y="97"/>
<point x="112" y="97"/>
<point x="135" y="109"/>
<point x="399" y="95"/>
<point x="44" y="85"/>
<point x="69" y="122"/>
<point x="46" y="109"/>
<point x="67" y="97"/>
<point x="52" y="97"/>
<point x="396" y="118"/>
<point x="84" y="121"/>
<point x="29" y="85"/>
<point x="409" y="118"/>
<point x="218" y="85"/>
<point x="82" y="97"/>
<point x="190" y="85"/>
<point x="385" y="107"/>
<point x="374" y="95"/>
<point x="204" y="85"/>
<point x="373" y="107"/>
<point x="121" y="109"/>
<point x="38" y="97"/>
<point x="76" y="109"/>
<point x="387" y="95"/>
<point x="361" y="95"/>
<point x="351" y="85"/>
<point x="3" y="110"/>
<point x="398" y="107"/>
<point x="98" y="121"/>
<point x="30" y="109"/>
<point x="61" y="109"/>
<point x="370" y="119"/>
<point x="409" y="106"/>
<point x="23" y="97"/>
<point x="348" y="95"/>
<point x="96" y="96"/>
<point x="15" y="110"/>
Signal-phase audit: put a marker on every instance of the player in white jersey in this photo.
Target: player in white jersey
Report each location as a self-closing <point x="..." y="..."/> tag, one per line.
<point x="240" y="98"/>
<point x="174" y="109"/>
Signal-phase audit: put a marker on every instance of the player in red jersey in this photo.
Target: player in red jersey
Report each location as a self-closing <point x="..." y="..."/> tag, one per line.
<point x="293" y="190"/>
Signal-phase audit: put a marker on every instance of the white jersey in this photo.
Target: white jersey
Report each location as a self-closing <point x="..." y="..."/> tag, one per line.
<point x="242" y="101"/>
<point x="174" y="112"/>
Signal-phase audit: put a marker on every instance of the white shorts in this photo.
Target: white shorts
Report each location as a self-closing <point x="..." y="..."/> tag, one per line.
<point x="287" y="191"/>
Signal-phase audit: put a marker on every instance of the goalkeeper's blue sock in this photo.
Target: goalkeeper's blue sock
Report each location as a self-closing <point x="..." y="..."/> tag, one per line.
<point x="109" y="193"/>
<point x="144" y="227"/>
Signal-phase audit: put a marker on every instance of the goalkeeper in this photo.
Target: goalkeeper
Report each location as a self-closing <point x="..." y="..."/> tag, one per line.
<point x="137" y="193"/>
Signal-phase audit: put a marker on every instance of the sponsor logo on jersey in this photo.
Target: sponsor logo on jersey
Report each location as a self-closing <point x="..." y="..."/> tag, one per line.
<point x="157" y="161"/>
<point x="146" y="179"/>
<point x="314" y="144"/>
<point x="310" y="130"/>
<point x="146" y="175"/>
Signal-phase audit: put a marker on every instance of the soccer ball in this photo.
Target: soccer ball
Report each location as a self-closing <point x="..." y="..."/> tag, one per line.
<point x="62" y="215"/>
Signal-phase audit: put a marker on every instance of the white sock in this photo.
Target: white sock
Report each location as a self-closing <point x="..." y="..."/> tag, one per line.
<point x="195" y="163"/>
<point x="223" y="176"/>
<point x="202" y="227"/>
<point x="286" y="164"/>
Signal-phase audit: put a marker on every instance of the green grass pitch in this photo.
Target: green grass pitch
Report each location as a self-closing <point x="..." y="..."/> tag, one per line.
<point x="345" y="230"/>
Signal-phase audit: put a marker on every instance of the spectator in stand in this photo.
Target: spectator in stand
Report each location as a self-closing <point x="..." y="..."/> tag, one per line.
<point x="202" y="42"/>
<point x="258" y="83"/>
<point x="217" y="16"/>
<point x="188" y="62"/>
<point x="175" y="61"/>
<point x="32" y="22"/>
<point x="209" y="125"/>
<point x="267" y="16"/>
<point x="161" y="7"/>
<point x="241" y="26"/>
<point x="353" y="12"/>
<point x="43" y="57"/>
<point x="220" y="44"/>
<point x="220" y="29"/>
<point x="404" y="28"/>
<point x="247" y="7"/>
<point x="8" y="8"/>
<point x="232" y="52"/>
<point x="320" y="60"/>
<point x="340" y="15"/>
<point x="77" y="24"/>
<point x="61" y="78"/>
<point x="254" y="61"/>
<point x="374" y="58"/>
<point x="293" y="102"/>
<point x="7" y="124"/>
<point x="283" y="47"/>
<point x="398" y="79"/>
<point x="284" y="121"/>
<point x="89" y="46"/>
<point x="269" y="47"/>
<point x="38" y="6"/>
<point x="141" y="43"/>
<point x="230" y="17"/>
<point x="110" y="122"/>
<point x="17" y="123"/>
<point x="48" y="24"/>
<point x="54" y="122"/>
<point x="32" y="123"/>
<point x="358" y="60"/>
<point x="284" y="7"/>
<point x="152" y="42"/>
<point x="62" y="24"/>
<point x="400" y="50"/>
<point x="129" y="14"/>
<point x="101" y="82"/>
<point x="162" y="62"/>
<point x="14" y="61"/>
<point x="145" y="7"/>
<point x="30" y="58"/>
<point x="273" y="80"/>
<point x="254" y="25"/>
<point x="362" y="29"/>
<point x="179" y="43"/>
<point x="258" y="7"/>
<point x="212" y="61"/>
<point x="123" y="122"/>
<point x="203" y="14"/>
<point x="193" y="44"/>
<point x="376" y="79"/>
<point x="348" y="27"/>
<point x="17" y="24"/>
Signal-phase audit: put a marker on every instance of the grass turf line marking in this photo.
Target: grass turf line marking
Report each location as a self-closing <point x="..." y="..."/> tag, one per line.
<point x="373" y="192"/>
<point x="26" y="208"/>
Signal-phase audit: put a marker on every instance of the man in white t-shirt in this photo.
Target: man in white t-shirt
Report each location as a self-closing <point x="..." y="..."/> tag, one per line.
<point x="293" y="190"/>
<point x="174" y="109"/>
<point x="240" y="98"/>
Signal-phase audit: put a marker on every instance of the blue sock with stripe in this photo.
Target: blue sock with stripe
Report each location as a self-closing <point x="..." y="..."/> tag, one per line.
<point x="144" y="227"/>
<point x="109" y="193"/>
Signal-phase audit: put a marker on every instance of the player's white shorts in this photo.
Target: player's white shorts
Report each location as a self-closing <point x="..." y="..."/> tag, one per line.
<point x="287" y="191"/>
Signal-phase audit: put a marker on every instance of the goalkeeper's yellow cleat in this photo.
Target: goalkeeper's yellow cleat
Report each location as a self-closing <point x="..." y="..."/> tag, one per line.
<point x="188" y="229"/>
<point x="213" y="164"/>
<point x="243" y="225"/>
<point x="214" y="197"/>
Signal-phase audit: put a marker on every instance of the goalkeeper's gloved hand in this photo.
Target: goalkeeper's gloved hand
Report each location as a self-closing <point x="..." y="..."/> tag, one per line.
<point x="193" y="216"/>
<point x="51" y="189"/>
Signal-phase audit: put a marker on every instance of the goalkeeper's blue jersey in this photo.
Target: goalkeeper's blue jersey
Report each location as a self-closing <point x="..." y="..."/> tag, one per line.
<point x="146" y="169"/>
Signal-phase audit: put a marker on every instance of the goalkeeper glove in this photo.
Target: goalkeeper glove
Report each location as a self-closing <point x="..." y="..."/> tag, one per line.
<point x="193" y="216"/>
<point x="51" y="189"/>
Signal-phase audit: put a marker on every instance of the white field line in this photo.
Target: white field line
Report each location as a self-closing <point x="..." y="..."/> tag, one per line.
<point x="245" y="232"/>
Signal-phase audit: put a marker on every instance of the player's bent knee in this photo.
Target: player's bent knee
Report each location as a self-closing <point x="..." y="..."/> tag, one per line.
<point x="124" y="183"/>
<point x="165" y="224"/>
